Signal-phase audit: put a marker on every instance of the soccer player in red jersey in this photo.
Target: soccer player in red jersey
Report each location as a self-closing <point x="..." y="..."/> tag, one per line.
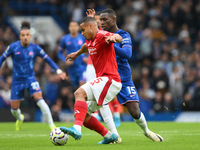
<point x="106" y="113"/>
<point x="94" y="94"/>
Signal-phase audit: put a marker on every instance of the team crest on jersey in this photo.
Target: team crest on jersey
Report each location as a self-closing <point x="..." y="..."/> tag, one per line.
<point x="30" y="53"/>
<point x="80" y="42"/>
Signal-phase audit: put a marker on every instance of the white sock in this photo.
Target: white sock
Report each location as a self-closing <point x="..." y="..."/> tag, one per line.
<point x="142" y="123"/>
<point x="108" y="119"/>
<point x="17" y="113"/>
<point x="78" y="128"/>
<point x="116" y="114"/>
<point x="108" y="134"/>
<point x="45" y="111"/>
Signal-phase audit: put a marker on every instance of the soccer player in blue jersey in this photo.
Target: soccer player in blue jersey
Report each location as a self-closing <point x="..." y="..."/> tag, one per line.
<point x="70" y="43"/>
<point x="128" y="95"/>
<point x="23" y="54"/>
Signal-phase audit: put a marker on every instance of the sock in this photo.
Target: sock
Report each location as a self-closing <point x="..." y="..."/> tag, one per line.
<point x="80" y="111"/>
<point x="108" y="134"/>
<point x="142" y="123"/>
<point x="17" y="113"/>
<point x="108" y="119"/>
<point x="94" y="124"/>
<point x="114" y="104"/>
<point x="45" y="111"/>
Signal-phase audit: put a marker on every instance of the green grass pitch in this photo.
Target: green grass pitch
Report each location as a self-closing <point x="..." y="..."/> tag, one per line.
<point x="35" y="136"/>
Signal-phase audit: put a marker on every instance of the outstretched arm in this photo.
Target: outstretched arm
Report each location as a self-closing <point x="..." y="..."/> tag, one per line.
<point x="125" y="51"/>
<point x="53" y="65"/>
<point x="2" y="59"/>
<point x="114" y="38"/>
<point x="74" y="55"/>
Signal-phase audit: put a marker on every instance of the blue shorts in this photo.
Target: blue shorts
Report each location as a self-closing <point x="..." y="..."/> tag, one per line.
<point x="128" y="93"/>
<point x="76" y="78"/>
<point x="18" y="87"/>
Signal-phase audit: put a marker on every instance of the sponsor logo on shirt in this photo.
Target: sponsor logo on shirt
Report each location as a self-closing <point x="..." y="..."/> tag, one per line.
<point x="92" y="51"/>
<point x="17" y="53"/>
<point x="69" y="42"/>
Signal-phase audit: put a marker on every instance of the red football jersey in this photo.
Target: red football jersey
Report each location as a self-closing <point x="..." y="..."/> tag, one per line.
<point x="89" y="60"/>
<point x="103" y="56"/>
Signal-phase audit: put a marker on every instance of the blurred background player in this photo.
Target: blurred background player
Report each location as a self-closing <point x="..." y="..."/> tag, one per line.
<point x="90" y="74"/>
<point x="101" y="90"/>
<point x="71" y="43"/>
<point x="23" y="54"/>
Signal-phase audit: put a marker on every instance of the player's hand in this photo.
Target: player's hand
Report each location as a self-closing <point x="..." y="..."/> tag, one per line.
<point x="71" y="56"/>
<point x="63" y="76"/>
<point x="69" y="62"/>
<point x="90" y="12"/>
<point x="110" y="39"/>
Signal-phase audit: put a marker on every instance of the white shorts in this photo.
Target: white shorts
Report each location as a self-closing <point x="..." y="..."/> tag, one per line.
<point x="90" y="72"/>
<point x="100" y="91"/>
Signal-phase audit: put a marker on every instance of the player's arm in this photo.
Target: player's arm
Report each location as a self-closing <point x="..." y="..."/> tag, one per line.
<point x="60" y="54"/>
<point x="125" y="51"/>
<point x="41" y="53"/>
<point x="114" y="38"/>
<point x="6" y="54"/>
<point x="53" y="65"/>
<point x="74" y="55"/>
<point x="61" y="50"/>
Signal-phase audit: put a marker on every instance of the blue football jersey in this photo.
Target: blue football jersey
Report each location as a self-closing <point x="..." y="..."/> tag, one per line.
<point x="23" y="58"/>
<point x="122" y="56"/>
<point x="72" y="44"/>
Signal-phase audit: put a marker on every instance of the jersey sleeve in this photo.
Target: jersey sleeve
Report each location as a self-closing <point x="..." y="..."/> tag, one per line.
<point x="40" y="52"/>
<point x="125" y="48"/>
<point x="6" y="54"/>
<point x="8" y="51"/>
<point x="126" y="40"/>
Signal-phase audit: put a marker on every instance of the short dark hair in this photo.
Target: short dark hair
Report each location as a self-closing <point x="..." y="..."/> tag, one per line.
<point x="88" y="19"/>
<point x="25" y="25"/>
<point x="109" y="11"/>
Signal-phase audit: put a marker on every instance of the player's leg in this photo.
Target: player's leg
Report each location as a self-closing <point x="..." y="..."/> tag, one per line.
<point x="36" y="93"/>
<point x="93" y="124"/>
<point x="16" y="112"/>
<point x="134" y="110"/>
<point x="44" y="109"/>
<point x="17" y="94"/>
<point x="80" y="110"/>
<point x="108" y="119"/>
<point x="116" y="115"/>
<point x="90" y="75"/>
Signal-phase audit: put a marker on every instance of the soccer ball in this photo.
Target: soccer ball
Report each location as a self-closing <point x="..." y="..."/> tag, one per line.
<point x="58" y="138"/>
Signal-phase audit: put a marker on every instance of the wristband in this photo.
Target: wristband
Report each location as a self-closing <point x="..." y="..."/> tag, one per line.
<point x="58" y="71"/>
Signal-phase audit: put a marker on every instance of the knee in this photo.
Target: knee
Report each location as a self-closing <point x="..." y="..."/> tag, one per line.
<point x="134" y="110"/>
<point x="80" y="94"/>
